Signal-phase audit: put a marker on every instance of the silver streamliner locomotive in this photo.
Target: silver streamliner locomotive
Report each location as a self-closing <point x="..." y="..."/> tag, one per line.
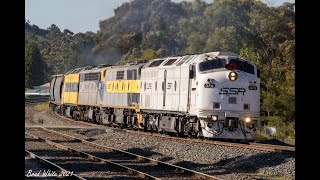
<point x="215" y="95"/>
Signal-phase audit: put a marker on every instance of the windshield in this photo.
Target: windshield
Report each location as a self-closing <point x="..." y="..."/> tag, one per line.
<point x="242" y="66"/>
<point x="212" y="64"/>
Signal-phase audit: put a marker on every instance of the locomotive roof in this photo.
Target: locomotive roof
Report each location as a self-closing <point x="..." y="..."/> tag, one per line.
<point x="185" y="59"/>
<point x="57" y="75"/>
<point x="87" y="68"/>
<point x="127" y="67"/>
<point x="94" y="70"/>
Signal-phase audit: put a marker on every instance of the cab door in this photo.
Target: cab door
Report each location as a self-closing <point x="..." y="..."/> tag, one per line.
<point x="192" y="97"/>
<point x="164" y="88"/>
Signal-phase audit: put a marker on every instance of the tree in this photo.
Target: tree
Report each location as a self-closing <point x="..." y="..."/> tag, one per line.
<point x="224" y="39"/>
<point x="34" y="66"/>
<point x="67" y="31"/>
<point x="54" y="28"/>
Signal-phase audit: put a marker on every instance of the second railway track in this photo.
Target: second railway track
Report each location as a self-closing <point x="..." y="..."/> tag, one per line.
<point x="76" y="163"/>
<point x="136" y="164"/>
<point x="52" y="170"/>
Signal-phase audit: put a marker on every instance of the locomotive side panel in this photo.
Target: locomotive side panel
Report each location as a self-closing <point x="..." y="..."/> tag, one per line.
<point x="116" y="95"/>
<point x="173" y="89"/>
<point x="183" y="86"/>
<point x="109" y="77"/>
<point x="165" y="87"/>
<point x="70" y="89"/>
<point x="102" y="86"/>
<point x="88" y="91"/>
<point x="53" y="80"/>
<point x="57" y="89"/>
<point x="151" y="89"/>
<point x="122" y="87"/>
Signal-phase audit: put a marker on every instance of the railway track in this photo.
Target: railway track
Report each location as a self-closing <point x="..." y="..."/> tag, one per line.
<point x="138" y="165"/>
<point x="52" y="170"/>
<point x="84" y="166"/>
<point x="32" y="100"/>
<point x="255" y="145"/>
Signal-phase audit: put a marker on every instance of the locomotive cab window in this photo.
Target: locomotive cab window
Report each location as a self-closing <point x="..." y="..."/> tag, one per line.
<point x="212" y="64"/>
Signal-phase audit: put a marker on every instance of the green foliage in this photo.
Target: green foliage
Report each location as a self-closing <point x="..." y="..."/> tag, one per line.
<point x="224" y="39"/>
<point x="196" y="43"/>
<point x="285" y="130"/>
<point x="253" y="54"/>
<point x="149" y="54"/>
<point x="140" y="56"/>
<point x="61" y="51"/>
<point x="261" y="135"/>
<point x="34" y="66"/>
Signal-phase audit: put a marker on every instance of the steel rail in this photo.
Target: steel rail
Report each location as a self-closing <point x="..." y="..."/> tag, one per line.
<point x="195" y="174"/>
<point x="95" y="158"/>
<point x="52" y="165"/>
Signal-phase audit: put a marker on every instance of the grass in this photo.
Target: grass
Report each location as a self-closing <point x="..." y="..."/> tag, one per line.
<point x="285" y="132"/>
<point x="261" y="136"/>
<point x="41" y="106"/>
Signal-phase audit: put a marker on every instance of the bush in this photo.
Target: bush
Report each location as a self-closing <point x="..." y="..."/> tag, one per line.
<point x="284" y="131"/>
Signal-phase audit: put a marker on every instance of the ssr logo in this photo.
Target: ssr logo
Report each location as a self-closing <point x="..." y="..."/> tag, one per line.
<point x="232" y="91"/>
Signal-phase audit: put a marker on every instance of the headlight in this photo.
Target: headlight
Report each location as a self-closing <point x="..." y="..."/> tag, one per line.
<point x="233" y="76"/>
<point x="247" y="120"/>
<point x="214" y="118"/>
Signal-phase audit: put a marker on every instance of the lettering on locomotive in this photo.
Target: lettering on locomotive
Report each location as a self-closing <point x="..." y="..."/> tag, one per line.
<point x="232" y="91"/>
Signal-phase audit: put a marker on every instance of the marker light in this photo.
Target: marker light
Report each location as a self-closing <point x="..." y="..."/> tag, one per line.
<point x="214" y="118"/>
<point x="231" y="66"/>
<point x="233" y="76"/>
<point x="247" y="120"/>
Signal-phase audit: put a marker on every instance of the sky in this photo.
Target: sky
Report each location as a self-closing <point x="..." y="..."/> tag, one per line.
<point x="81" y="15"/>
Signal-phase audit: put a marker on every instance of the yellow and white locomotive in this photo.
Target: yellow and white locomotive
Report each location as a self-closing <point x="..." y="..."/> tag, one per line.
<point x="212" y="95"/>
